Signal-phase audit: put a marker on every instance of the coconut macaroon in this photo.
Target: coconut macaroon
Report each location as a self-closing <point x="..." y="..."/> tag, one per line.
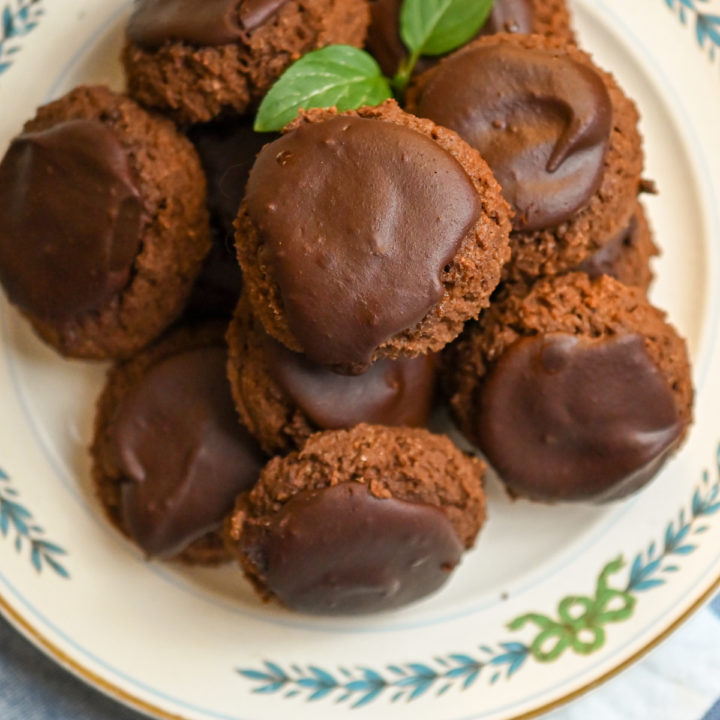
<point x="576" y="389"/>
<point x="169" y="456"/>
<point x="550" y="18"/>
<point x="103" y="224"/>
<point x="198" y="60"/>
<point x="369" y="234"/>
<point x="283" y="398"/>
<point x="359" y="521"/>
<point x="559" y="134"/>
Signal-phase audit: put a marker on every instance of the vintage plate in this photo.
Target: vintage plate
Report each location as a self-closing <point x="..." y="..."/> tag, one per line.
<point x="551" y="602"/>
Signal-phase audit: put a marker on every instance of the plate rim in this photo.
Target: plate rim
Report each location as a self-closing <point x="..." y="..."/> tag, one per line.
<point x="80" y="670"/>
<point x="126" y="698"/>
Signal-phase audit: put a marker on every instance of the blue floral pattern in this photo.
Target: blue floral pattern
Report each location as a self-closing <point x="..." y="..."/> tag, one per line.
<point x="707" y="25"/>
<point x="19" y="17"/>
<point x="581" y="633"/>
<point x="16" y="518"/>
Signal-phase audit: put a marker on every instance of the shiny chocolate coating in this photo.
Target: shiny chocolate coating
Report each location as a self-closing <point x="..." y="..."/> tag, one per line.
<point x="71" y="219"/>
<point x="358" y="220"/>
<point x="566" y="418"/>
<point x="540" y="118"/>
<point x="182" y="452"/>
<point x="200" y="22"/>
<point x="385" y="44"/>
<point x="391" y="392"/>
<point x="342" y="551"/>
<point x="227" y="151"/>
<point x="510" y="16"/>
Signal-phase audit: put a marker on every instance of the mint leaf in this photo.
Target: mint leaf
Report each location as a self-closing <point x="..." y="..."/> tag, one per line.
<point x="435" y="27"/>
<point x="335" y="76"/>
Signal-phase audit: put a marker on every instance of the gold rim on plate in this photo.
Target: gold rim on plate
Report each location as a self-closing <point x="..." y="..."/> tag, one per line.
<point x="93" y="679"/>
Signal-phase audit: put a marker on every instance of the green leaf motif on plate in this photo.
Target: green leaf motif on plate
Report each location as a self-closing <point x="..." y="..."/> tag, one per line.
<point x="580" y="620"/>
<point x="580" y="626"/>
<point x="336" y="76"/>
<point x="16" y="519"/>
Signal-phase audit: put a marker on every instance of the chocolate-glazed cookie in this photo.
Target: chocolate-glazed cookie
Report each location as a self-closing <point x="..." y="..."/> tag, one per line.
<point x="577" y="389"/>
<point x="283" y="398"/>
<point x="369" y="234"/>
<point x="103" y="226"/>
<point x="169" y="456"/>
<point x="528" y="17"/>
<point x="359" y="521"/>
<point x="200" y="60"/>
<point x="627" y="256"/>
<point x="560" y="135"/>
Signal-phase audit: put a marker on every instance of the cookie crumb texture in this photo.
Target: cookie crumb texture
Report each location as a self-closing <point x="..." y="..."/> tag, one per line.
<point x="196" y="84"/>
<point x="605" y="211"/>
<point x="626" y="257"/>
<point x="576" y="389"/>
<point x="406" y="486"/>
<point x="173" y="237"/>
<point x="169" y="456"/>
<point x="283" y="398"/>
<point x="447" y="265"/>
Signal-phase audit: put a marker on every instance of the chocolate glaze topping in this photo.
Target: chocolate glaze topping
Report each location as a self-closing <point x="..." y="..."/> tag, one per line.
<point x="386" y="46"/>
<point x="510" y="16"/>
<point x="604" y="261"/>
<point x="541" y="120"/>
<point x="184" y="455"/>
<point x="71" y="219"/>
<point x="391" y="392"/>
<point x="359" y="218"/>
<point x="567" y="418"/>
<point x="341" y="551"/>
<point x="201" y="22"/>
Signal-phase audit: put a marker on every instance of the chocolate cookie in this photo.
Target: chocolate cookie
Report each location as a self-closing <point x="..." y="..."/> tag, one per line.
<point x="227" y="151"/>
<point x="199" y="60"/>
<point x="359" y="521"/>
<point x="103" y="225"/>
<point x="559" y="134"/>
<point x="283" y="398"/>
<point x="626" y="257"/>
<point x="369" y="234"/>
<point x="169" y="456"/>
<point x="219" y="284"/>
<point x="577" y="389"/>
<point x="528" y="17"/>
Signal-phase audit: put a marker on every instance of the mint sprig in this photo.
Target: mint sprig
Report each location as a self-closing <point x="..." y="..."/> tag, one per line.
<point x="336" y="76"/>
<point x="435" y="27"/>
<point x="346" y="78"/>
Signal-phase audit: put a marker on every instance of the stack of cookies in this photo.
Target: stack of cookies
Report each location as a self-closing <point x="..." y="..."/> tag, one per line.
<point x="286" y="311"/>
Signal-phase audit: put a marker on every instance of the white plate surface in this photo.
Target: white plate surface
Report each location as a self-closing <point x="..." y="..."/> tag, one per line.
<point x="552" y="599"/>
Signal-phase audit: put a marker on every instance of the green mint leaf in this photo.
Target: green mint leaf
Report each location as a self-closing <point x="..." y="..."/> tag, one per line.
<point x="335" y="76"/>
<point x="435" y="27"/>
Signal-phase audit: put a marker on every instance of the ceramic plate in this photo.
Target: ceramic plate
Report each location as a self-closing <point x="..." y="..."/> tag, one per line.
<point x="552" y="601"/>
